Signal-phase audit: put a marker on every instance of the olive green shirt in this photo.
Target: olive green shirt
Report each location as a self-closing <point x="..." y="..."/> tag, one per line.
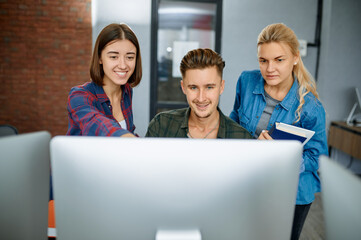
<point x="174" y="124"/>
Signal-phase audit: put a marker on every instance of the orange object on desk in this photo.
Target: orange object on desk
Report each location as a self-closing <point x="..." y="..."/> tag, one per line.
<point x="51" y="219"/>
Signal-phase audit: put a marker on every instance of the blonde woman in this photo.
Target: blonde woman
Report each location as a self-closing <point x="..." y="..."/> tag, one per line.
<point x="283" y="91"/>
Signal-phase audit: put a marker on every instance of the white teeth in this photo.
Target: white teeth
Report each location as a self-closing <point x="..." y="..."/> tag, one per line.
<point x="121" y="73"/>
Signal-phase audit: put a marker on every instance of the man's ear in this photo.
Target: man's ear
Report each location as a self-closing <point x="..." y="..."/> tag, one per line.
<point x="222" y="86"/>
<point x="182" y="85"/>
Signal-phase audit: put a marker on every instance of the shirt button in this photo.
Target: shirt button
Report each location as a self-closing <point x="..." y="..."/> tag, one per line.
<point x="256" y="116"/>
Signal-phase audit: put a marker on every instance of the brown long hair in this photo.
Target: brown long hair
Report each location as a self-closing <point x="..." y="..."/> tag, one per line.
<point x="279" y="32"/>
<point x="111" y="33"/>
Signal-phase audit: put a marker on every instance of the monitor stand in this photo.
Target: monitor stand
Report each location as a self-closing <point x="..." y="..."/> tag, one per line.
<point x="354" y="120"/>
<point x="178" y="235"/>
<point x="351" y="120"/>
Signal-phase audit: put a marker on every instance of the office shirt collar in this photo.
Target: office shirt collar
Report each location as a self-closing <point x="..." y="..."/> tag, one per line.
<point x="290" y="98"/>
<point x="101" y="95"/>
<point x="184" y="124"/>
<point x="222" y="123"/>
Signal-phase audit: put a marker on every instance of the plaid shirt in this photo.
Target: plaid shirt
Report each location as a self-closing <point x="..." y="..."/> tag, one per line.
<point x="174" y="123"/>
<point x="90" y="112"/>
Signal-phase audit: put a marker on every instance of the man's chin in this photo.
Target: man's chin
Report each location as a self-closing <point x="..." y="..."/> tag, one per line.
<point x="202" y="115"/>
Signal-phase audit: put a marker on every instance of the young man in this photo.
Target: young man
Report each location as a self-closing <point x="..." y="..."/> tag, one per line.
<point x="202" y="84"/>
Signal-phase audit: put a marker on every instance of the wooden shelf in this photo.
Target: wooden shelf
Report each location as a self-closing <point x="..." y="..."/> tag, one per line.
<point x="345" y="138"/>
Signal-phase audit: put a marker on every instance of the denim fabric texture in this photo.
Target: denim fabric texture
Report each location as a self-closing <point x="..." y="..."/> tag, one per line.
<point x="248" y="107"/>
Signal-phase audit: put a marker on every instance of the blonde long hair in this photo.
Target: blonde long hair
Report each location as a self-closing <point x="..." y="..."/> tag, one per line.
<point x="279" y="32"/>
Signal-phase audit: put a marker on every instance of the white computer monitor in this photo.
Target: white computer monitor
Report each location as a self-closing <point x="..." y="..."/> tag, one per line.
<point x="24" y="186"/>
<point x="117" y="188"/>
<point x="341" y="199"/>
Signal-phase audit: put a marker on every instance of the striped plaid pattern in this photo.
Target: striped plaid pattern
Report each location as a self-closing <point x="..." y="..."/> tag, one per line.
<point x="174" y="123"/>
<point x="90" y="114"/>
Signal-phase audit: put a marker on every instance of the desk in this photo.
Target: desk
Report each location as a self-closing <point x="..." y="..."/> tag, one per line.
<point x="345" y="138"/>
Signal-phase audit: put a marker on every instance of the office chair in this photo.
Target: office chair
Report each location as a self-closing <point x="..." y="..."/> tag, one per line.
<point x="6" y="130"/>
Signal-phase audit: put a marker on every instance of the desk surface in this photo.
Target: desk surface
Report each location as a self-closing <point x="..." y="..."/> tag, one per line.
<point x="347" y="127"/>
<point x="345" y="138"/>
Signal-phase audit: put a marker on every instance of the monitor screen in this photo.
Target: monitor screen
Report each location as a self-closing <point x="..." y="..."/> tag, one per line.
<point x="24" y="185"/>
<point x="144" y="188"/>
<point x="341" y="199"/>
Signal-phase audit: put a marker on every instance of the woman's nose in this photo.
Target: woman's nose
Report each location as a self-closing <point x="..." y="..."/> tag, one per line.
<point x="270" y="67"/>
<point x="121" y="63"/>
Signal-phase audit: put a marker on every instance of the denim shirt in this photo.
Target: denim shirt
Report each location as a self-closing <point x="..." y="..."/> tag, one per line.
<point x="248" y="107"/>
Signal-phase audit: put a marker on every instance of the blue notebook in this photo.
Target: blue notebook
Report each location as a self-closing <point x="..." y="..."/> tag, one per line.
<point x="283" y="131"/>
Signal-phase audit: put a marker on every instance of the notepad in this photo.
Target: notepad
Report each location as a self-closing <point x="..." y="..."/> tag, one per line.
<point x="285" y="131"/>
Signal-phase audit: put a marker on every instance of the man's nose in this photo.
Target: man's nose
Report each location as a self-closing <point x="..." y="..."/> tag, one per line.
<point x="201" y="95"/>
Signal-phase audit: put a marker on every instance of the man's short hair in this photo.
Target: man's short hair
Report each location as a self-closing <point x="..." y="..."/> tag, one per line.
<point x="202" y="58"/>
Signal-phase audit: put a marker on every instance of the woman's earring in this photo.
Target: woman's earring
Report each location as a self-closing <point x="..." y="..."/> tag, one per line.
<point x="295" y="63"/>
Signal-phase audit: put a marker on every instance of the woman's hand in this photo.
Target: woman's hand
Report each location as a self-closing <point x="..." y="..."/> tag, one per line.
<point x="264" y="136"/>
<point x="128" y="135"/>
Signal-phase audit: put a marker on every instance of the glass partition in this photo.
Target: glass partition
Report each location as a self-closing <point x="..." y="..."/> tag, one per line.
<point x="177" y="27"/>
